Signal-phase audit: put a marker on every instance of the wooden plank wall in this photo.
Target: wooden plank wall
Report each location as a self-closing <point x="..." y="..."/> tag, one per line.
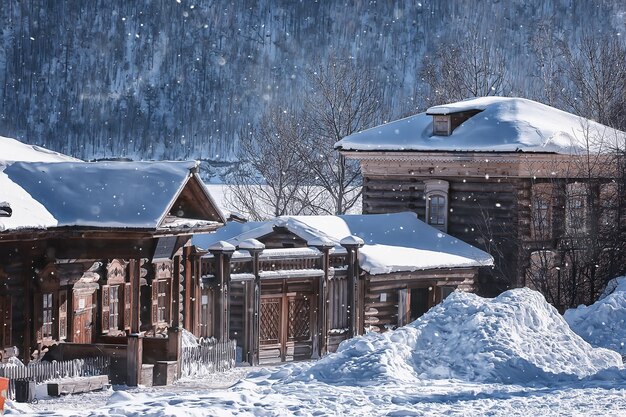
<point x="238" y="312"/>
<point x="473" y="204"/>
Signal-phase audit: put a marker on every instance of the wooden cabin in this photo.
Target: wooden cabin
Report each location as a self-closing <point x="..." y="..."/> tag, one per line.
<point x="91" y="258"/>
<point x="518" y="179"/>
<point x="293" y="288"/>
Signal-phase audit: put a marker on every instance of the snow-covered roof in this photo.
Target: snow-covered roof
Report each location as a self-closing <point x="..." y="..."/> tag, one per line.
<point x="45" y="189"/>
<point x="393" y="242"/>
<point x="95" y="194"/>
<point x="503" y="124"/>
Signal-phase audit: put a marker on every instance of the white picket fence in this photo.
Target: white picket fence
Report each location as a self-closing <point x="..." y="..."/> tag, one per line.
<point x="208" y="357"/>
<point x="46" y="371"/>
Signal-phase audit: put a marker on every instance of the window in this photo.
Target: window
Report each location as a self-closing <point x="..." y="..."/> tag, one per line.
<point x="161" y="301"/>
<point x="609" y="207"/>
<point x="541" y="211"/>
<point x="114" y="306"/>
<point x="446" y="291"/>
<point x="436" y="194"/>
<point x="576" y="208"/>
<point x="47" y="310"/>
<point x="441" y="125"/>
<point x="437" y="210"/>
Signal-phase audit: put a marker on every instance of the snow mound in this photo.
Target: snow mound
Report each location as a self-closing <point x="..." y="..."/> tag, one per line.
<point x="515" y="338"/>
<point x="120" y="397"/>
<point x="603" y="324"/>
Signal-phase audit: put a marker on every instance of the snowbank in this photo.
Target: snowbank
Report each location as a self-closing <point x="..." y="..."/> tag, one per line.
<point x="515" y="338"/>
<point x="602" y="324"/>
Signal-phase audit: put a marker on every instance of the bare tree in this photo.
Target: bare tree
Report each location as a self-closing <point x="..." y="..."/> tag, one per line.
<point x="578" y="224"/>
<point x="596" y="74"/>
<point x="548" y="50"/>
<point x="270" y="179"/>
<point x="465" y="67"/>
<point x="341" y="99"/>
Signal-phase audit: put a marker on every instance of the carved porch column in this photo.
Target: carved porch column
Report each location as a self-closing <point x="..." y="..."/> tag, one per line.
<point x="222" y="251"/>
<point x="355" y="298"/>
<point x="254" y="317"/>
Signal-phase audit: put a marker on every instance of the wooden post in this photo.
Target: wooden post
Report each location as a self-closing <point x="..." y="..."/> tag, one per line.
<point x="174" y="333"/>
<point x="134" y="359"/>
<point x="255" y="248"/>
<point x="189" y="284"/>
<point x="222" y="251"/>
<point x="352" y="245"/>
<point x="29" y="320"/>
<point x="134" y="349"/>
<point x="323" y="245"/>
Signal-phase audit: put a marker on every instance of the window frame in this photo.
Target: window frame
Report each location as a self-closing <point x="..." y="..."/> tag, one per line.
<point x="47" y="312"/>
<point x="576" y="208"/>
<point x="437" y="188"/>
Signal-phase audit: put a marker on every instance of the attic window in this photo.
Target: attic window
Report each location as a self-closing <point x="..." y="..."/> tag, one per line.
<point x="441" y="125"/>
<point x="444" y="121"/>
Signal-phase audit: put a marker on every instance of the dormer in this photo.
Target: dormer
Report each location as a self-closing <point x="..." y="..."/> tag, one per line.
<point x="445" y="119"/>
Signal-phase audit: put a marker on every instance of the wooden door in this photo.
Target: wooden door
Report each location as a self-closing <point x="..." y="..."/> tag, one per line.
<point x="419" y="302"/>
<point x="271" y="335"/>
<point x="286" y="327"/>
<point x="82" y="323"/>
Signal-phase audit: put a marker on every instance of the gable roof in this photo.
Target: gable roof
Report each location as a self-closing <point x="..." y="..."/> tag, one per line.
<point x="45" y="189"/>
<point x="134" y="195"/>
<point x="393" y="242"/>
<point x="503" y="124"/>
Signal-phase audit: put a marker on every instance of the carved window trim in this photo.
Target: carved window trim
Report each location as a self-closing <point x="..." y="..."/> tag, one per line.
<point x="436" y="190"/>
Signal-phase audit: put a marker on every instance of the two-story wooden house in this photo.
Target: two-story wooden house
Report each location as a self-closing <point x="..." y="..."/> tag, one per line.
<point x="540" y="189"/>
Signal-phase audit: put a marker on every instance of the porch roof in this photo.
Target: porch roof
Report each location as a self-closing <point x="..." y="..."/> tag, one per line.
<point x="393" y="242"/>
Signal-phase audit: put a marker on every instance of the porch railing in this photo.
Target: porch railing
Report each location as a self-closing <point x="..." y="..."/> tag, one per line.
<point x="208" y="357"/>
<point x="46" y="371"/>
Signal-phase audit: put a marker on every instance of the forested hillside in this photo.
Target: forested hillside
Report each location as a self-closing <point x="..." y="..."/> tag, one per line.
<point x="174" y="79"/>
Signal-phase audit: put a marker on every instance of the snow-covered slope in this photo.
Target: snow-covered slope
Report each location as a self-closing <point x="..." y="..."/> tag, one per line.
<point x="503" y="124"/>
<point x="178" y="79"/>
<point x="603" y="324"/>
<point x="516" y="338"/>
<point x="13" y="150"/>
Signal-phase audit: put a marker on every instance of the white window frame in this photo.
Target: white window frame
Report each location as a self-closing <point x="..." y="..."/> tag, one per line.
<point x="437" y="188"/>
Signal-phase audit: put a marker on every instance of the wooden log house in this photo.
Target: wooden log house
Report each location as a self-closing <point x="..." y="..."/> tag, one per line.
<point x="507" y="175"/>
<point x="293" y="288"/>
<point x="91" y="259"/>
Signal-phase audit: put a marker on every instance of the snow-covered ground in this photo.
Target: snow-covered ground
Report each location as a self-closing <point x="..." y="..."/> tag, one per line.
<point x="509" y="356"/>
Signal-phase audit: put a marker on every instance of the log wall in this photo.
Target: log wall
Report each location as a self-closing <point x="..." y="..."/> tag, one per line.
<point x="481" y="211"/>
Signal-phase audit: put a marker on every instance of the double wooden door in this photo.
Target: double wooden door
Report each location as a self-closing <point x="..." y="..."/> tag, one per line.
<point x="287" y="326"/>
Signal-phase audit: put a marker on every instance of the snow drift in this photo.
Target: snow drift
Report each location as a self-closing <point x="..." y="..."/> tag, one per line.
<point x="602" y="324"/>
<point x="515" y="338"/>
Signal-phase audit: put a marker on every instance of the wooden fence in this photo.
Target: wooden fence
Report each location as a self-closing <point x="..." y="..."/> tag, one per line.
<point x="46" y="371"/>
<point x="209" y="356"/>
